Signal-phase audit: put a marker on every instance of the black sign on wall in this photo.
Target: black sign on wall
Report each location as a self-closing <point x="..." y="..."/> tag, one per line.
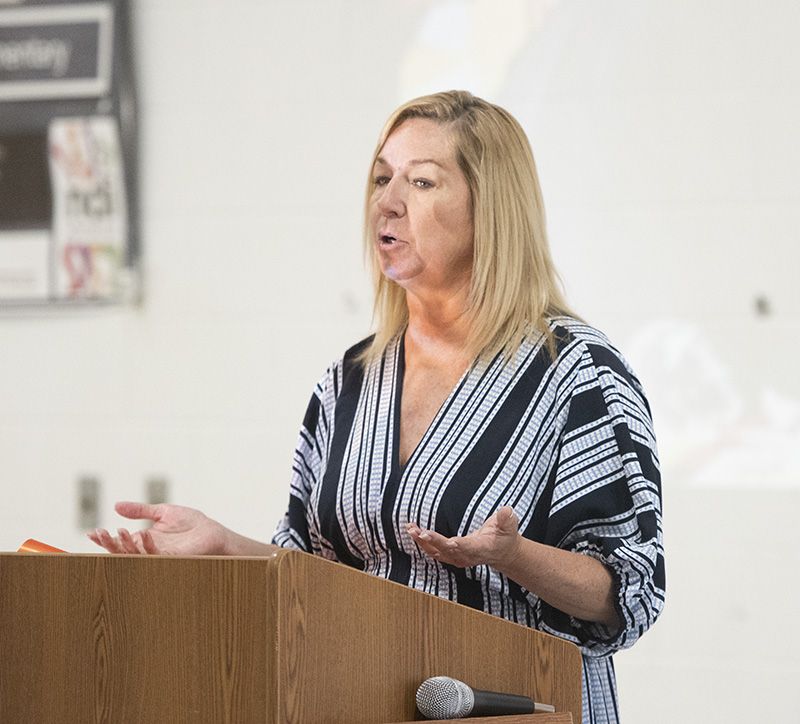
<point x="25" y="198"/>
<point x="68" y="231"/>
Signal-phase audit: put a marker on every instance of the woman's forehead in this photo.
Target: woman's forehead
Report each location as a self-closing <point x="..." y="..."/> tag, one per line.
<point x="418" y="141"/>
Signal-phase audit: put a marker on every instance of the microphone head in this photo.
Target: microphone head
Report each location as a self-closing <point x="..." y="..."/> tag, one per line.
<point x="444" y="698"/>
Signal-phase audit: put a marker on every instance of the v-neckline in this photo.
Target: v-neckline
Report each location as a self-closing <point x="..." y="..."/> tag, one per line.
<point x="400" y="370"/>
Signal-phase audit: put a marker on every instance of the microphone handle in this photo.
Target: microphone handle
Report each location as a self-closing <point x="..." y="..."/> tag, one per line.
<point x="492" y="703"/>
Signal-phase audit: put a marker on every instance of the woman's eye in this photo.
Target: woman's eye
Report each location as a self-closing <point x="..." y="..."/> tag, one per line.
<point x="380" y="180"/>
<point x="422" y="183"/>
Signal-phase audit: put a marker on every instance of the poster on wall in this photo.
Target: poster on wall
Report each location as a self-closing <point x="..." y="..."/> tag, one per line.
<point x="67" y="154"/>
<point x="89" y="225"/>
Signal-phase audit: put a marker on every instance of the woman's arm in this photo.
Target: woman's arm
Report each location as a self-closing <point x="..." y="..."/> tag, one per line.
<point x="576" y="584"/>
<point x="177" y="531"/>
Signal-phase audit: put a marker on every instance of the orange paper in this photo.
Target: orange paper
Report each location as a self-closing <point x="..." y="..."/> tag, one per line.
<point x="35" y="546"/>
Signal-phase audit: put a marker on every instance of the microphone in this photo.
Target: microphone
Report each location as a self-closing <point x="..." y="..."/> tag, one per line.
<point x="444" y="698"/>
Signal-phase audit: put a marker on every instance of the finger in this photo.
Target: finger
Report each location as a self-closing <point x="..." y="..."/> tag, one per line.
<point x="431" y="539"/>
<point x="507" y="519"/>
<point x="104" y="539"/>
<point x="148" y="544"/>
<point x="437" y="539"/>
<point x="422" y="539"/>
<point x="433" y="552"/>
<point x="137" y="511"/>
<point x="443" y="550"/>
<point x="94" y="536"/>
<point x="128" y="543"/>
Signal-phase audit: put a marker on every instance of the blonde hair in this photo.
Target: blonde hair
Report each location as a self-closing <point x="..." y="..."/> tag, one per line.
<point x="514" y="285"/>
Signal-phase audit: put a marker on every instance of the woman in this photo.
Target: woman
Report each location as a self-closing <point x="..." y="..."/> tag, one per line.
<point x="485" y="445"/>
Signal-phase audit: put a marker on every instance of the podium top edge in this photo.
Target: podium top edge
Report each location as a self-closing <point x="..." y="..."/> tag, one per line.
<point x="138" y="557"/>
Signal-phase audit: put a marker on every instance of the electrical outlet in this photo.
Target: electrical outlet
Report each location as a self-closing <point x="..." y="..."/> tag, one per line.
<point x="157" y="491"/>
<point x="88" y="503"/>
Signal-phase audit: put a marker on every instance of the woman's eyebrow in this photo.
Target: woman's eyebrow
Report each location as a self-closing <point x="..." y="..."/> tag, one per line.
<point x="420" y="161"/>
<point x="413" y="162"/>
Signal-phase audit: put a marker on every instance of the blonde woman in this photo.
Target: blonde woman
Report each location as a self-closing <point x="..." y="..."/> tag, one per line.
<point x="484" y="445"/>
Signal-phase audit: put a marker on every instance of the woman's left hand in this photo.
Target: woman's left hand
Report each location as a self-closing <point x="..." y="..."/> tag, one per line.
<point x="495" y="543"/>
<point x="577" y="584"/>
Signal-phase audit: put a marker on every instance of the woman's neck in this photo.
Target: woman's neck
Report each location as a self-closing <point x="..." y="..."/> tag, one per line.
<point x="438" y="327"/>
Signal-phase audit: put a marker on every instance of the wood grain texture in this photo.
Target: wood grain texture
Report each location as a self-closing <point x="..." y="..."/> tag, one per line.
<point x="375" y="642"/>
<point x="292" y="639"/>
<point x="123" y="639"/>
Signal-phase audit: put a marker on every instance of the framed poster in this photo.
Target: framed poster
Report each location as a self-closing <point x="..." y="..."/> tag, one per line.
<point x="68" y="231"/>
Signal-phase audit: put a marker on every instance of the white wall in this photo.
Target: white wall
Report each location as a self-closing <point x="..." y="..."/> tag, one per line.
<point x="664" y="137"/>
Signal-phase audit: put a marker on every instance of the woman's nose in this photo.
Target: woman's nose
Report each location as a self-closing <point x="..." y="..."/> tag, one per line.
<point x="391" y="201"/>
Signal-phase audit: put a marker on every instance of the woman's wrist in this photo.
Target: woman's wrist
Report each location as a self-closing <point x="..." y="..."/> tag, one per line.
<point x="234" y="544"/>
<point x="509" y="558"/>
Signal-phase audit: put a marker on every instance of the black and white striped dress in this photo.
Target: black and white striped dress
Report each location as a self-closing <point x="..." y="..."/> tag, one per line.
<point x="567" y="443"/>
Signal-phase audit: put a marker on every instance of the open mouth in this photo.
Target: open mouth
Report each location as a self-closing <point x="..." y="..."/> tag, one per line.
<point x="387" y="239"/>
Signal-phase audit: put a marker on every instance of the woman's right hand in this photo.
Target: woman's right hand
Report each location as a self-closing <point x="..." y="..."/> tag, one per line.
<point x="176" y="531"/>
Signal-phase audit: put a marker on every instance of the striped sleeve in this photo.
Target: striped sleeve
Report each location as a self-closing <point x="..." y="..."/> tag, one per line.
<point x="300" y="527"/>
<point x="294" y="530"/>
<point x="606" y="498"/>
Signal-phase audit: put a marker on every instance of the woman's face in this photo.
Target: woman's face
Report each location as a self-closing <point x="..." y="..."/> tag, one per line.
<point x="421" y="210"/>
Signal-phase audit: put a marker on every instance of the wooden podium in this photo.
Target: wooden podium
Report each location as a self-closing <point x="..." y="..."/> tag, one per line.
<point x="291" y="639"/>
